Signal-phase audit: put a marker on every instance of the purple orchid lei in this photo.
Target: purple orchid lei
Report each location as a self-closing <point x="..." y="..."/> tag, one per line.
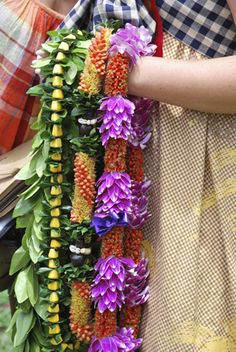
<point x="121" y="201"/>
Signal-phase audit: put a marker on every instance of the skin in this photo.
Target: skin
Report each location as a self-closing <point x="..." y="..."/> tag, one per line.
<point x="62" y="7"/>
<point x="203" y="85"/>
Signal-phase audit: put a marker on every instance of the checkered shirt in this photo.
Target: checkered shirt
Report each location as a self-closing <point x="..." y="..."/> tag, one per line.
<point x="205" y="25"/>
<point x="87" y="14"/>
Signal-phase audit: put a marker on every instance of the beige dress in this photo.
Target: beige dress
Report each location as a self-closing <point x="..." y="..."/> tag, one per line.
<point x="191" y="238"/>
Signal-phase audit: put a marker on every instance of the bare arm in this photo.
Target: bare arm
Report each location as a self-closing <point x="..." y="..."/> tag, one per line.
<point x="204" y="85"/>
<point x="232" y="5"/>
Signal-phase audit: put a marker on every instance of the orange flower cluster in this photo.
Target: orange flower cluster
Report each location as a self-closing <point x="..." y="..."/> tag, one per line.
<point x="105" y="324"/>
<point x="117" y="75"/>
<point x="84" y="192"/>
<point x="132" y="244"/>
<point x="135" y="162"/>
<point x="131" y="317"/>
<point x="98" y="51"/>
<point x="80" y="311"/>
<point x="115" y="156"/>
<point x="95" y="63"/>
<point x="112" y="243"/>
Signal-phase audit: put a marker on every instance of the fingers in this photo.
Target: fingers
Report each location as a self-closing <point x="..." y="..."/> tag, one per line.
<point x="40" y="55"/>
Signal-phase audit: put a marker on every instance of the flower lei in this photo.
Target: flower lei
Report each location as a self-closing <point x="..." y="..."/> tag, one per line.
<point x="72" y="210"/>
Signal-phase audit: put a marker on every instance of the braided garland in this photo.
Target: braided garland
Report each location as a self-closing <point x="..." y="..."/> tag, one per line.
<point x="72" y="117"/>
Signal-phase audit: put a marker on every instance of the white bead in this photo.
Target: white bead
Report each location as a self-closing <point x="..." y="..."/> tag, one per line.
<point x="82" y="250"/>
<point x="77" y="251"/>
<point x="87" y="251"/>
<point x="72" y="248"/>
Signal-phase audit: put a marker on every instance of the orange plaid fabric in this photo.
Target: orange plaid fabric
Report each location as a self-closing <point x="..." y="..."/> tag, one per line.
<point x="23" y="28"/>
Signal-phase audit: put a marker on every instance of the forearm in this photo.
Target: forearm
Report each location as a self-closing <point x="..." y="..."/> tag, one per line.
<point x="204" y="85"/>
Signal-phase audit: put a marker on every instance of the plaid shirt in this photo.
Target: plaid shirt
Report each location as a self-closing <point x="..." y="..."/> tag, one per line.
<point x="87" y="14"/>
<point x="205" y="25"/>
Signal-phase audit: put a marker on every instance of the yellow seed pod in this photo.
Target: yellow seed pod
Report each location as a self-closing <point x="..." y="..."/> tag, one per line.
<point x="55" y="223"/>
<point x="54" y="286"/>
<point x="55" y="244"/>
<point x="77" y="346"/>
<point x="55" y="117"/>
<point x="53" y="298"/>
<point x="55" y="212"/>
<point x="55" y="169"/>
<point x="58" y="94"/>
<point x="70" y="37"/>
<point x="53" y="254"/>
<point x="56" y="105"/>
<point x="53" y="274"/>
<point x="58" y="70"/>
<point x="55" y="234"/>
<point x="56" y="156"/>
<point x="55" y="202"/>
<point x="64" y="46"/>
<point x="55" y="309"/>
<point x="54" y="318"/>
<point x="52" y="264"/>
<point x="56" y="190"/>
<point x="57" y="81"/>
<point x="56" y="143"/>
<point x="60" y="178"/>
<point x="57" y="131"/>
<point x="53" y="330"/>
<point x="60" y="56"/>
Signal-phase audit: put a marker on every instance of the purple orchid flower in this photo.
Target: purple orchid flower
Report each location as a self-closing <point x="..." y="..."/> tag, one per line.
<point x="141" y="130"/>
<point x="108" y="287"/>
<point x="139" y="207"/>
<point x="133" y="42"/>
<point x="114" y="194"/>
<point x="123" y="341"/>
<point x="116" y="121"/>
<point x="136" y="284"/>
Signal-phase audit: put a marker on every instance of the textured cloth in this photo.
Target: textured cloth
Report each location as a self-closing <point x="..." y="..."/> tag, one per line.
<point x="190" y="238"/>
<point x="23" y="28"/>
<point x="205" y="25"/>
<point x="88" y="14"/>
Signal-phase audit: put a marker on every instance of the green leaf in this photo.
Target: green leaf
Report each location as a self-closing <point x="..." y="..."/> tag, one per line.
<point x="30" y="191"/>
<point x="19" y="260"/>
<point x="37" y="141"/>
<point x="24" y="206"/>
<point x="41" y="309"/>
<point x="32" y="285"/>
<point x="34" y="251"/>
<point x="24" y="323"/>
<point x="71" y="73"/>
<point x="36" y="91"/>
<point x="25" y="173"/>
<point x="49" y="47"/>
<point x="21" y="286"/>
<point x="42" y="62"/>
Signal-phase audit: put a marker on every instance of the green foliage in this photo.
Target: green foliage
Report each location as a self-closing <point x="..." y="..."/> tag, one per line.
<point x="32" y="212"/>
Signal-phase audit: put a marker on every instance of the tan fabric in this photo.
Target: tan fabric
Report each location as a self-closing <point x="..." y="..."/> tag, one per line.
<point x="191" y="237"/>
